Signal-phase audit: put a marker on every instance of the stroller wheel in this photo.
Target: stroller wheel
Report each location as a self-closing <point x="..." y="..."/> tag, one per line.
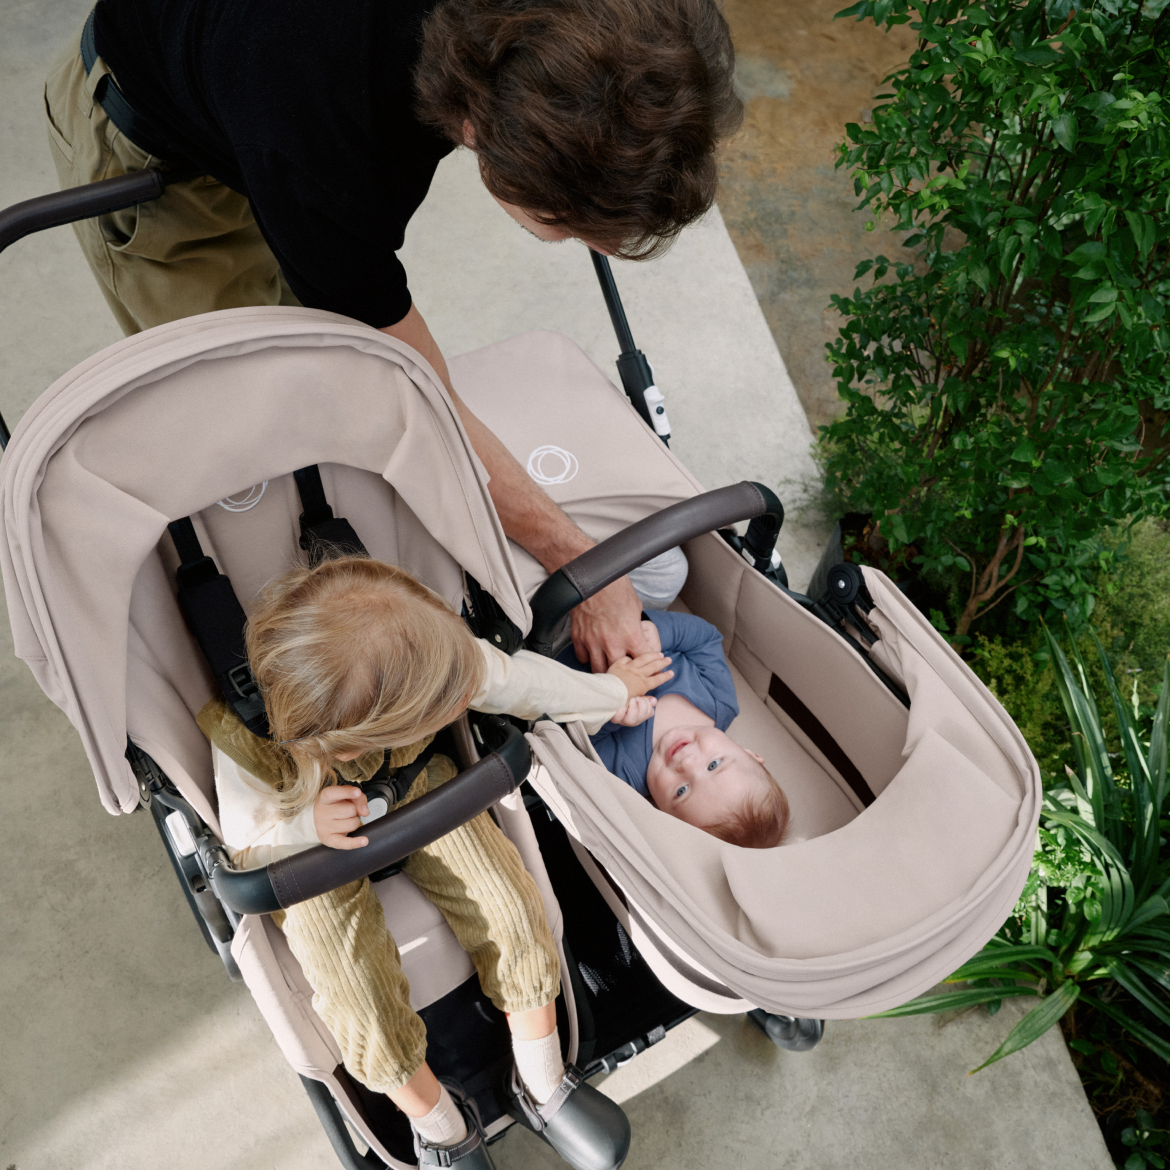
<point x="844" y="583"/>
<point x="788" y="1032"/>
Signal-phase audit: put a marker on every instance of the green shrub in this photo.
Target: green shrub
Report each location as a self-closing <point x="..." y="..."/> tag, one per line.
<point x="1132" y="620"/>
<point x="1007" y="397"/>
<point x="1133" y="610"/>
<point x="1021" y="676"/>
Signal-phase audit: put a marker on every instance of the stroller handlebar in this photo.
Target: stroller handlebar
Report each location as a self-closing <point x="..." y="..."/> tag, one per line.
<point x="77" y="203"/>
<point x="603" y="564"/>
<point x="305" y="875"/>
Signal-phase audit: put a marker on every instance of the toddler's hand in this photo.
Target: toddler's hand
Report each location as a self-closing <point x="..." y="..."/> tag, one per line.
<point x="643" y="673"/>
<point x="635" y="711"/>
<point x="338" y="811"/>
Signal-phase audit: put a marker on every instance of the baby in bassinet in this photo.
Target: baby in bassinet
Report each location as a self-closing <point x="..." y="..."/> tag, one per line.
<point x="674" y="749"/>
<point x="355" y="658"/>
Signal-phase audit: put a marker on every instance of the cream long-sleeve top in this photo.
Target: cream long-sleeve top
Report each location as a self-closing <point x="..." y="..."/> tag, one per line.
<point x="525" y="685"/>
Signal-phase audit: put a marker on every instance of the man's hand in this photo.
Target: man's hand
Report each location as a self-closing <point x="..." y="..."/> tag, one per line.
<point x="338" y="811"/>
<point x="635" y="711"/>
<point x="608" y="626"/>
<point x="643" y="673"/>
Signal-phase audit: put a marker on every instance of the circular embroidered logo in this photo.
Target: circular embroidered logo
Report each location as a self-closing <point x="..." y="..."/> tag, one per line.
<point x="247" y="501"/>
<point x="549" y="465"/>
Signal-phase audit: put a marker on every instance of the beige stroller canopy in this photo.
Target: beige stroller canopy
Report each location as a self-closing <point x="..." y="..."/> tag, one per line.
<point x="869" y="906"/>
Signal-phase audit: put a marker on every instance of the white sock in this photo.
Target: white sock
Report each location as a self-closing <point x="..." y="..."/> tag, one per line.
<point x="540" y="1064"/>
<point x="444" y="1125"/>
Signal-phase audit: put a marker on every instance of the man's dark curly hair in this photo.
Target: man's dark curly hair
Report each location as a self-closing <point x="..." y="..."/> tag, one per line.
<point x="598" y="116"/>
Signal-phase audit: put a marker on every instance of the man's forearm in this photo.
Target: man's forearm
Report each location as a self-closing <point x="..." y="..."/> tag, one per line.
<point x="528" y="515"/>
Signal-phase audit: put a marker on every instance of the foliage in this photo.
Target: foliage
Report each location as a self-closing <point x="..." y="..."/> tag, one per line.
<point x="1019" y="672"/>
<point x="1132" y="620"/>
<point x="1108" y="929"/>
<point x="1133" y="609"/>
<point x="1146" y="1140"/>
<point x="1007" y="396"/>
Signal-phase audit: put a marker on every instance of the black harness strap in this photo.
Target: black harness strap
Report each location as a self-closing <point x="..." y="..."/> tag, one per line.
<point x="323" y="533"/>
<point x="788" y="701"/>
<point x="393" y="784"/>
<point x="214" y="615"/>
<point x="487" y="620"/>
<point x="399" y="780"/>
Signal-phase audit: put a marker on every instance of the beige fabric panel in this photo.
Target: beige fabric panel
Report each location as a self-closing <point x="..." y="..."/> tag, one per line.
<point x="164" y="424"/>
<point x="817" y="804"/>
<point x="828" y="675"/>
<point x="285" y="999"/>
<point x="713" y="583"/>
<point x="950" y="698"/>
<point x="564" y="420"/>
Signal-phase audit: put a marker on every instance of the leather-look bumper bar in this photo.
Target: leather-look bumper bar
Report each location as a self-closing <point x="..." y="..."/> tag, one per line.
<point x="392" y="837"/>
<point x="603" y="564"/>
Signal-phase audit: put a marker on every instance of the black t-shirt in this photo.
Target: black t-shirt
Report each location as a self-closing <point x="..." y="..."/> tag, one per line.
<point x="306" y="108"/>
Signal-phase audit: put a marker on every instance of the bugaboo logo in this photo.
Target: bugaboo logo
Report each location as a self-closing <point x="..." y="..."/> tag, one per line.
<point x="247" y="501"/>
<point x="549" y="465"/>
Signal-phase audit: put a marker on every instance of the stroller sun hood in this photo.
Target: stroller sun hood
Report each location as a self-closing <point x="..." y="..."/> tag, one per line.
<point x="221" y="402"/>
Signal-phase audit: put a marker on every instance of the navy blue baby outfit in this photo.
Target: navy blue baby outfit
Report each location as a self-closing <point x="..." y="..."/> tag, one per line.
<point x="701" y="675"/>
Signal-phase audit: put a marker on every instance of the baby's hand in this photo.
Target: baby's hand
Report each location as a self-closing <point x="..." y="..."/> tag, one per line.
<point x="635" y="711"/>
<point x="643" y="673"/>
<point x="338" y="811"/>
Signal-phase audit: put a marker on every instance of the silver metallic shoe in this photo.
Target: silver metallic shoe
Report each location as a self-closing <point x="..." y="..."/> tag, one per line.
<point x="469" y="1154"/>
<point x="586" y="1128"/>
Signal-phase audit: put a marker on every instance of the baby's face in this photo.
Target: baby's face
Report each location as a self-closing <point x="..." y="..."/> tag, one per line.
<point x="702" y="776"/>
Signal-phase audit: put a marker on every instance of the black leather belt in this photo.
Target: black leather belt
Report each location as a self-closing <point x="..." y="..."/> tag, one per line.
<point x="137" y="128"/>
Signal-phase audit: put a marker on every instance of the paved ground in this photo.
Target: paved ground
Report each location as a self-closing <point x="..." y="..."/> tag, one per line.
<point x="803" y="77"/>
<point x="124" y="1044"/>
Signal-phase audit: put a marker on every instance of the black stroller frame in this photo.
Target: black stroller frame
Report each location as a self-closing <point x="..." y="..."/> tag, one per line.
<point x="621" y="1006"/>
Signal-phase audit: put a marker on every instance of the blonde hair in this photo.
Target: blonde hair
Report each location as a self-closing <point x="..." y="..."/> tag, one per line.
<point x="353" y="656"/>
<point x="760" y="823"/>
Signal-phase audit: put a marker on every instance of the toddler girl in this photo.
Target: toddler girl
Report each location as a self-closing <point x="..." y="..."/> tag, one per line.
<point x="355" y="658"/>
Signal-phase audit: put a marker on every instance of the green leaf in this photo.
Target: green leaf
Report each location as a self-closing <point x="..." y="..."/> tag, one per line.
<point x="1145" y="231"/>
<point x="1099" y="314"/>
<point x="1137" y="1030"/>
<point x="949" y="1001"/>
<point x="1132" y="982"/>
<point x="1064" y="129"/>
<point x="1046" y="1013"/>
<point x="1156" y="761"/>
<point x="1107" y="294"/>
<point x="977" y="16"/>
<point x="1025" y="451"/>
<point x="1039" y="55"/>
<point x="1097" y="101"/>
<point x="993" y="961"/>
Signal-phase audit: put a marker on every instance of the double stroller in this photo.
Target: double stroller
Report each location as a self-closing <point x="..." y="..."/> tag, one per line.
<point x="914" y="799"/>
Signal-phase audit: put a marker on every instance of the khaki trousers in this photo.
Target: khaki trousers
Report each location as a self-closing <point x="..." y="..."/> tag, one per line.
<point x="195" y="249"/>
<point x="476" y="878"/>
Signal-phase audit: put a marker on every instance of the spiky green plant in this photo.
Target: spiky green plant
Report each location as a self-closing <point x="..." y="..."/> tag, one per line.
<point x="1101" y="852"/>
